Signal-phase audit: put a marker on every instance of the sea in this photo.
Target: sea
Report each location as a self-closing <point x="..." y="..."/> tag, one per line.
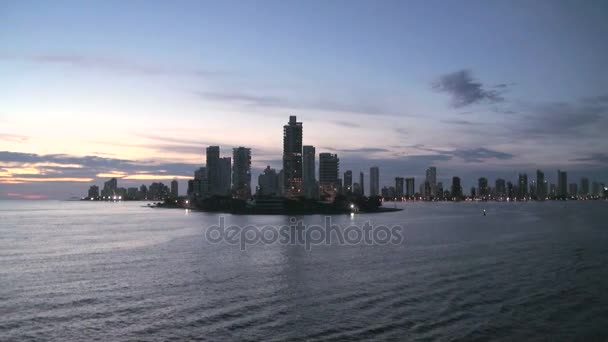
<point x="122" y="271"/>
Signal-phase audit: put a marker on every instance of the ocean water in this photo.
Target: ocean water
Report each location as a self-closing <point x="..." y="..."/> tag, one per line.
<point x="80" y="271"/>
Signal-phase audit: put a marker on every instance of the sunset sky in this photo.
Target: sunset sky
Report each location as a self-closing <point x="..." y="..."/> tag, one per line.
<point x="138" y="89"/>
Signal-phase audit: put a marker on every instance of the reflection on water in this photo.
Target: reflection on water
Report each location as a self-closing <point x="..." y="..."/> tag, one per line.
<point x="119" y="271"/>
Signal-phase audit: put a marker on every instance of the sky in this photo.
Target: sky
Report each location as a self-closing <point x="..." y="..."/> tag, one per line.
<point x="137" y="89"/>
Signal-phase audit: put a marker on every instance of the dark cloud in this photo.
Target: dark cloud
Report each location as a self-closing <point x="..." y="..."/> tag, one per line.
<point x="89" y="166"/>
<point x="479" y="155"/>
<point x="563" y="119"/>
<point x="594" y="158"/>
<point x="465" y="90"/>
<point x="113" y="64"/>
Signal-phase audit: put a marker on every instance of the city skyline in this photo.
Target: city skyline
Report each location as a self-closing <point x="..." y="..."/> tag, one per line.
<point x="86" y="95"/>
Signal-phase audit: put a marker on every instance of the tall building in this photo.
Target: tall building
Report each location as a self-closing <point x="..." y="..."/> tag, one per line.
<point x="374" y="181"/>
<point x="585" y="186"/>
<point x="348" y="181"/>
<point x="174" y="189"/>
<point x="225" y="180"/>
<point x="500" y="188"/>
<point x="522" y="186"/>
<point x="93" y="191"/>
<point x="573" y="189"/>
<point x="292" y="158"/>
<point x="268" y="182"/>
<point x="540" y="185"/>
<point x="510" y="190"/>
<point x="309" y="181"/>
<point x="562" y="184"/>
<point x="241" y="172"/>
<point x="482" y="184"/>
<point x="361" y="183"/>
<point x="213" y="169"/>
<point x="409" y="187"/>
<point x="399" y="182"/>
<point x="431" y="177"/>
<point x="329" y="167"/>
<point x="110" y="188"/>
<point x="456" y="188"/>
<point x="200" y="185"/>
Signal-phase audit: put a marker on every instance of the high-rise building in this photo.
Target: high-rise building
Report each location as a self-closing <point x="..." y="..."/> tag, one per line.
<point x="93" y="191"/>
<point x="399" y="182"/>
<point x="439" y="190"/>
<point x="213" y="169"/>
<point x="110" y="188"/>
<point x="174" y="189"/>
<point x="309" y="182"/>
<point x="292" y="158"/>
<point x="348" y="181"/>
<point x="456" y="188"/>
<point x="500" y="188"/>
<point x="409" y="187"/>
<point x="200" y="184"/>
<point x="522" y="186"/>
<point x="562" y="184"/>
<point x="540" y="185"/>
<point x="225" y="180"/>
<point x="241" y="173"/>
<point x="374" y="181"/>
<point x="482" y="184"/>
<point x="362" y="183"/>
<point x="431" y="177"/>
<point x="268" y="182"/>
<point x="510" y="190"/>
<point x="585" y="186"/>
<point x="573" y="189"/>
<point x="329" y="167"/>
<point x="356" y="189"/>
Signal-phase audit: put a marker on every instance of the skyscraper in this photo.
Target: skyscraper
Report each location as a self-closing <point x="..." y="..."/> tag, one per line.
<point x="522" y="186"/>
<point x="483" y="187"/>
<point x="456" y="188"/>
<point x="213" y="170"/>
<point x="292" y="158"/>
<point x="500" y="188"/>
<point x="268" y="182"/>
<point x="374" y="181"/>
<point x="431" y="178"/>
<point x="361" y="183"/>
<point x="585" y="186"/>
<point x="540" y="185"/>
<point x="200" y="186"/>
<point x="241" y="172"/>
<point x="329" y="167"/>
<point x="225" y="180"/>
<point x="348" y="181"/>
<point x="409" y="187"/>
<point x="399" y="182"/>
<point x="562" y="184"/>
<point x="309" y="182"/>
<point x="573" y="189"/>
<point x="174" y="189"/>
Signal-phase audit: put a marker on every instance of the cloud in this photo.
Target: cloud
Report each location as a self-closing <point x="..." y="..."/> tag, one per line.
<point x="18" y="167"/>
<point x="116" y="65"/>
<point x="458" y="122"/>
<point x="594" y="158"/>
<point x="255" y="100"/>
<point x="346" y="123"/>
<point x="479" y="155"/>
<point x="358" y="150"/>
<point x="465" y="90"/>
<point x="13" y="137"/>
